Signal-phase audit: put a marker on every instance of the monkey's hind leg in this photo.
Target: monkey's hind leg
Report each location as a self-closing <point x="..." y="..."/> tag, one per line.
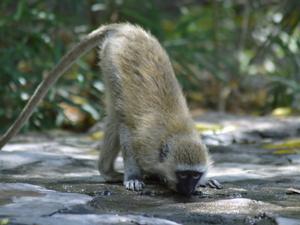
<point x="109" y="152"/>
<point x="132" y="172"/>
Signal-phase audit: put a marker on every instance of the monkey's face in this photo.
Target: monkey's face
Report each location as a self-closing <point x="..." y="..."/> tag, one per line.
<point x="184" y="164"/>
<point x="187" y="181"/>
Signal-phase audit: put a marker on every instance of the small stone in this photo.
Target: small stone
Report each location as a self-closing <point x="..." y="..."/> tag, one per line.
<point x="104" y="193"/>
<point x="236" y="195"/>
<point x="293" y="191"/>
<point x="107" y="193"/>
<point x="100" y="193"/>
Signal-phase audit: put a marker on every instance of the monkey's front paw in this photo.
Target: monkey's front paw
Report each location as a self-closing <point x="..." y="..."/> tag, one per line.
<point x="134" y="185"/>
<point x="212" y="183"/>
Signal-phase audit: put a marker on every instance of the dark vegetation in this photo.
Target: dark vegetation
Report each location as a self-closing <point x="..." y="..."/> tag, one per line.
<point x="231" y="55"/>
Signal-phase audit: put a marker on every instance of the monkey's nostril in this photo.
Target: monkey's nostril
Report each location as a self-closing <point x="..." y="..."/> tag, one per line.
<point x="187" y="191"/>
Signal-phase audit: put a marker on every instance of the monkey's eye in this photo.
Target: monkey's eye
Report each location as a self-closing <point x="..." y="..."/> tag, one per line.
<point x="196" y="176"/>
<point x="182" y="176"/>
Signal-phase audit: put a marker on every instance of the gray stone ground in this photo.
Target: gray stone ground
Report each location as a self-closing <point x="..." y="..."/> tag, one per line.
<point x="52" y="179"/>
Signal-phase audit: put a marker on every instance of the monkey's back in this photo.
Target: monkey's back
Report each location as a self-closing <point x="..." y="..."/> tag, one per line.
<point x="140" y="77"/>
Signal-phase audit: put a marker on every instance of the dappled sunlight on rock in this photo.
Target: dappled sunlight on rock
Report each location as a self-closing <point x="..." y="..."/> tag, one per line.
<point x="40" y="202"/>
<point x="47" y="160"/>
<point x="70" y="219"/>
<point x="227" y="172"/>
<point x="235" y="206"/>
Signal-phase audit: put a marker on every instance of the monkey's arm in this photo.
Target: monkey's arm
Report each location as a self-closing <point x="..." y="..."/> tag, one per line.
<point x="90" y="41"/>
<point x="132" y="171"/>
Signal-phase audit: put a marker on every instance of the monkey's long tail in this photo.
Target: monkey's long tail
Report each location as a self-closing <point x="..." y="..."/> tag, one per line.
<point x="90" y="41"/>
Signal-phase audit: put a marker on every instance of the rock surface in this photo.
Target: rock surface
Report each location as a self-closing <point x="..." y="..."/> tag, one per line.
<point x="53" y="179"/>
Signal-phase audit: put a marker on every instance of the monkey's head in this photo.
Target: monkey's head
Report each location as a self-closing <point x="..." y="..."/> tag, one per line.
<point x="186" y="163"/>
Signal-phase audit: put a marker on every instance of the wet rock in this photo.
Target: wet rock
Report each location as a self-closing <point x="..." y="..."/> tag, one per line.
<point x="248" y="129"/>
<point x="287" y="221"/>
<point x="228" y="138"/>
<point x="262" y="219"/>
<point x="35" y="201"/>
<point x="71" y="219"/>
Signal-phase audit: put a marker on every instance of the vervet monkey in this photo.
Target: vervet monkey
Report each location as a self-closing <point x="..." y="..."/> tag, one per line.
<point x="147" y="116"/>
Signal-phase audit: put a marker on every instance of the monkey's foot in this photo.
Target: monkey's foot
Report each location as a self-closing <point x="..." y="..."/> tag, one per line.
<point x="113" y="177"/>
<point x="134" y="185"/>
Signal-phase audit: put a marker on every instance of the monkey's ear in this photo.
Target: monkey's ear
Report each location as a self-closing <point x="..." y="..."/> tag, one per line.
<point x="163" y="152"/>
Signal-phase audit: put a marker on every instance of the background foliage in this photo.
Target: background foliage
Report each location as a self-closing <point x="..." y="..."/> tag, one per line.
<point x="232" y="55"/>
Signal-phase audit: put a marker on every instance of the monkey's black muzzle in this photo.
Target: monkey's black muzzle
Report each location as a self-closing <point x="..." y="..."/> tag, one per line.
<point x="186" y="189"/>
<point x="187" y="181"/>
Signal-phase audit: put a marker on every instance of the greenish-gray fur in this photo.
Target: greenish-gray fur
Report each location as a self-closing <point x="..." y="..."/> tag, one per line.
<point x="144" y="96"/>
